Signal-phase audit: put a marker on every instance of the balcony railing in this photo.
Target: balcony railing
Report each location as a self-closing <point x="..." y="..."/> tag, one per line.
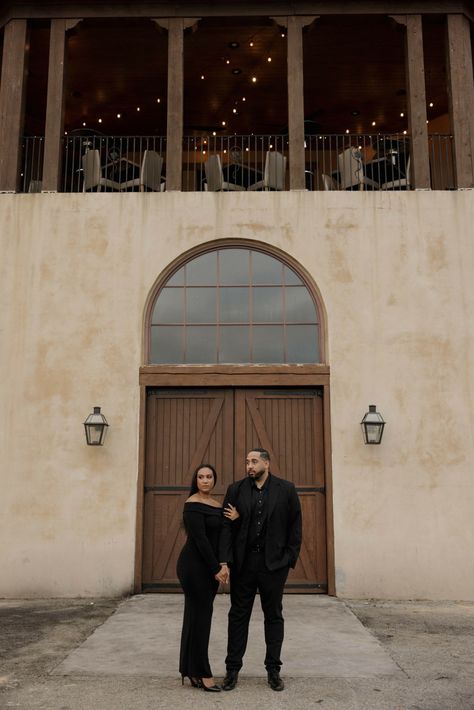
<point x="332" y="162"/>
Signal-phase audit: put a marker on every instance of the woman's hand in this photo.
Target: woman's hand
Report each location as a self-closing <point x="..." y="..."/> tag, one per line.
<point x="231" y="512"/>
<point x="223" y="575"/>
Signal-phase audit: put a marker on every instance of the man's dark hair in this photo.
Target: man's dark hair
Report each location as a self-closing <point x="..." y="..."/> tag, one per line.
<point x="263" y="453"/>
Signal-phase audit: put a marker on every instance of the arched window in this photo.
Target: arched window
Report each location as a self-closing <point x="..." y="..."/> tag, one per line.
<point x="234" y="305"/>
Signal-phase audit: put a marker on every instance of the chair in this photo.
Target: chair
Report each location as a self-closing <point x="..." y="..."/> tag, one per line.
<point x="328" y="182"/>
<point x="35" y="186"/>
<point x="351" y="171"/>
<point x="93" y="174"/>
<point x="403" y="183"/>
<point x="215" y="178"/>
<point x="150" y="174"/>
<point x="274" y="173"/>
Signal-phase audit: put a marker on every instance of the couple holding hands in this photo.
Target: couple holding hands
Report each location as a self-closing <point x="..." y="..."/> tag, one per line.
<point x="251" y="542"/>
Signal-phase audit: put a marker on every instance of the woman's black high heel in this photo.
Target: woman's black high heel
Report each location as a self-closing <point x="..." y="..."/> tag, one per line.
<point x="195" y="682"/>
<point x="210" y="688"/>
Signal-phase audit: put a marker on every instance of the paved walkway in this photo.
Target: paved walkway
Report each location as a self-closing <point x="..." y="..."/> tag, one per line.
<point x="322" y="638"/>
<point x="105" y="654"/>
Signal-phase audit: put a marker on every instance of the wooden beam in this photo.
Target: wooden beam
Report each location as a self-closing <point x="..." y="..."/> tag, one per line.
<point x="295" y="103"/>
<point x="416" y="100"/>
<point x="461" y="97"/>
<point x="55" y="106"/>
<point x="233" y="375"/>
<point x="12" y="96"/>
<point x="162" y="8"/>
<point x="174" y="129"/>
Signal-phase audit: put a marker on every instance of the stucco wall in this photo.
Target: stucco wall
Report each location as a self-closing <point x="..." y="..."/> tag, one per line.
<point x="395" y="274"/>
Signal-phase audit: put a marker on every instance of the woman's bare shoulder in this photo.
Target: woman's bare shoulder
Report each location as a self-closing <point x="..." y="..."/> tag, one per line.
<point x="211" y="502"/>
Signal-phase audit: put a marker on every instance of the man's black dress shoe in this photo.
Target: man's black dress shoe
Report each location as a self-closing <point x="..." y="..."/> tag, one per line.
<point x="230" y="680"/>
<point x="274" y="681"/>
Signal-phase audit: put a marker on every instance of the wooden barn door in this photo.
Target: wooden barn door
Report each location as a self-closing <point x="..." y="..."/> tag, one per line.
<point x="289" y="424"/>
<point x="183" y="429"/>
<point x="219" y="426"/>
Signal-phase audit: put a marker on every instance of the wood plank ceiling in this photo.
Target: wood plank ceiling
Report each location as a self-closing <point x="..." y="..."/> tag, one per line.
<point x="353" y="75"/>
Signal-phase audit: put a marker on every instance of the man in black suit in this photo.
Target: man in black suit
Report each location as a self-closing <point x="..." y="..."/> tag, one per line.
<point x="259" y="547"/>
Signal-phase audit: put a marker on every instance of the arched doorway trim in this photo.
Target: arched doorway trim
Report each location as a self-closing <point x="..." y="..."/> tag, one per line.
<point x="235" y="376"/>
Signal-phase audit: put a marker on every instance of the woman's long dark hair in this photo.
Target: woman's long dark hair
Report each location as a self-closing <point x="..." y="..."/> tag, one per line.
<point x="194" y="487"/>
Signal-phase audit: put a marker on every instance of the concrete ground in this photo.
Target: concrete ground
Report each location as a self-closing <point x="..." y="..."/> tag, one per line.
<point x="122" y="655"/>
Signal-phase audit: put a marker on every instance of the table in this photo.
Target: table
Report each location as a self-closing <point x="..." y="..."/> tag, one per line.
<point x="122" y="170"/>
<point x="241" y="174"/>
<point x="382" y="170"/>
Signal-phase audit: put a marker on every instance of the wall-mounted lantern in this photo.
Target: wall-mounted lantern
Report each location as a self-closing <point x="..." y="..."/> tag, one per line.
<point x="96" y="428"/>
<point x="372" y="426"/>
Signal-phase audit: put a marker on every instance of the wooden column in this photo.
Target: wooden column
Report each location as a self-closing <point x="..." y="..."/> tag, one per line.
<point x="55" y="105"/>
<point x="174" y="127"/>
<point x="296" y="103"/>
<point x="12" y="92"/>
<point x="461" y="97"/>
<point x="416" y="100"/>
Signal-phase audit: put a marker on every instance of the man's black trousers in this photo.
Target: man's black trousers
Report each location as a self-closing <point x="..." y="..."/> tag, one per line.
<point x="244" y="585"/>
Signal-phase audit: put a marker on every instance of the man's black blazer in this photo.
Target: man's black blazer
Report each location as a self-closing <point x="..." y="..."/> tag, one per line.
<point x="283" y="536"/>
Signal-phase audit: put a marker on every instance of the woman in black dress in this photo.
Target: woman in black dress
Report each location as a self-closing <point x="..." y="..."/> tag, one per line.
<point x="199" y="572"/>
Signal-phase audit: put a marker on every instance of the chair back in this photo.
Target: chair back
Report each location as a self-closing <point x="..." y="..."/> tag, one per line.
<point x="91" y="169"/>
<point x="35" y="186"/>
<point x="275" y="167"/>
<point x="328" y="182"/>
<point x="150" y="173"/>
<point x="350" y="167"/>
<point x="213" y="170"/>
<point x="407" y="172"/>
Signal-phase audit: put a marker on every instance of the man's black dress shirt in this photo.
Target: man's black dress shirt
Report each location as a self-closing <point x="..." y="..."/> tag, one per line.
<point x="258" y="516"/>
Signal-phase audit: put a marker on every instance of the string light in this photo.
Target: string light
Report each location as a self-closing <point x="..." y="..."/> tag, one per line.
<point x="158" y="101"/>
<point x="223" y="123"/>
<point x="202" y="76"/>
<point x="431" y="104"/>
<point x="100" y="120"/>
<point x="138" y="108"/>
<point x="119" y="115"/>
<point x="250" y="44"/>
<point x="347" y="130"/>
<point x="254" y="79"/>
<point x="401" y="114"/>
<point x="373" y="123"/>
<point x="269" y="59"/>
<point x="214" y="133"/>
<point x="243" y="98"/>
<point x="83" y="123"/>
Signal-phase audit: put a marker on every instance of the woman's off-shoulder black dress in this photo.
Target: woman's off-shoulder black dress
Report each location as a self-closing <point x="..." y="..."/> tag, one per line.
<point x="196" y="567"/>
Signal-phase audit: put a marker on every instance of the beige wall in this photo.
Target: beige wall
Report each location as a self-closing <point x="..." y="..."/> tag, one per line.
<point x="395" y="273"/>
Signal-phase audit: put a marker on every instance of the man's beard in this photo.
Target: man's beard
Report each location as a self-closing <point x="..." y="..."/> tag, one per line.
<point x="257" y="475"/>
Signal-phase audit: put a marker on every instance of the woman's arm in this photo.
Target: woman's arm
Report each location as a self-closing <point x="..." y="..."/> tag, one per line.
<point x="196" y="529"/>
